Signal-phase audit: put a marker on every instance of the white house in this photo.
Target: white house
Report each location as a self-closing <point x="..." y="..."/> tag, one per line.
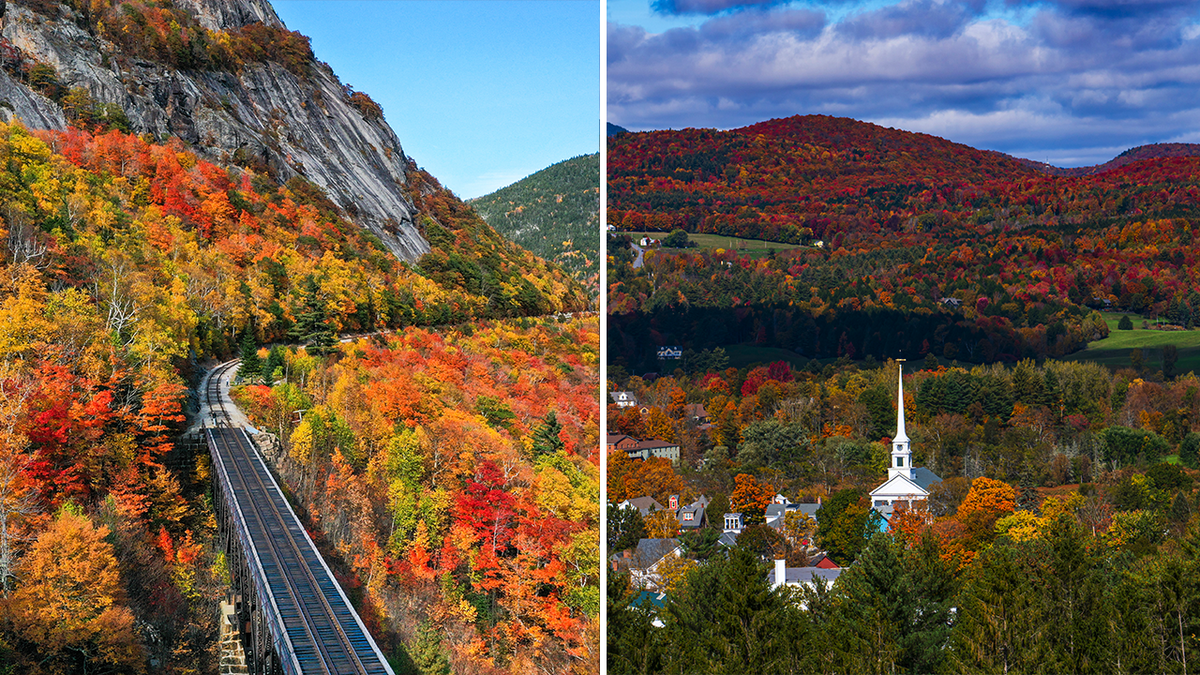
<point x="623" y="399"/>
<point x="643" y="562"/>
<point x="783" y="575"/>
<point x="905" y="483"/>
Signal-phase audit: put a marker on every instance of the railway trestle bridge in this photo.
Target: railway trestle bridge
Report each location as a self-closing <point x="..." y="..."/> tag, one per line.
<point x="292" y="615"/>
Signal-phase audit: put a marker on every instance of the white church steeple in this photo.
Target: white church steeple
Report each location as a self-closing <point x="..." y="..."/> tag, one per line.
<point x="901" y="452"/>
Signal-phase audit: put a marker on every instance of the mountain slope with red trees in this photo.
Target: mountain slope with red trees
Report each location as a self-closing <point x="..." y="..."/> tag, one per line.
<point x="914" y="244"/>
<point x="811" y="178"/>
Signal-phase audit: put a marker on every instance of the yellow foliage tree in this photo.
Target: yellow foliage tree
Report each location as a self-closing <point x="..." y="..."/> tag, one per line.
<point x="69" y="603"/>
<point x="662" y="525"/>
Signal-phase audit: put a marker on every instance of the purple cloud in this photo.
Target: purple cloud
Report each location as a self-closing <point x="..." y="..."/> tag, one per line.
<point x="1112" y="8"/>
<point x="742" y="24"/>
<point x="708" y="7"/>
<point x="925" y="18"/>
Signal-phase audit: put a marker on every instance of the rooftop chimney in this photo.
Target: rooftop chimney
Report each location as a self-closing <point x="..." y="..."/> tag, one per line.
<point x="780" y="573"/>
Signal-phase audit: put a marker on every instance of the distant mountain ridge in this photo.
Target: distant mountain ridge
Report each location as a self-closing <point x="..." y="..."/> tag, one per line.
<point x="1135" y="154"/>
<point x="809" y="178"/>
<point x="554" y="213"/>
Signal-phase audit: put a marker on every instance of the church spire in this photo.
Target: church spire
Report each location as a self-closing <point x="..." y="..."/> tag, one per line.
<point x="901" y="452"/>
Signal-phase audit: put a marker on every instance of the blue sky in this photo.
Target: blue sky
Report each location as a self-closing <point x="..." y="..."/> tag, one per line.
<point x="481" y="93"/>
<point x="1070" y="82"/>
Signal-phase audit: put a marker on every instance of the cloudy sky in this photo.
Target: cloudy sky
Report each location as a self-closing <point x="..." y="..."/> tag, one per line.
<point x="481" y="93"/>
<point x="1070" y="82"/>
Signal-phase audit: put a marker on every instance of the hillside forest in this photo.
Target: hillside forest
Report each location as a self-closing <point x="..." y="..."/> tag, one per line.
<point x="126" y="265"/>
<point x="1062" y="536"/>
<point x="454" y="473"/>
<point x="555" y="213"/>
<point x="909" y="244"/>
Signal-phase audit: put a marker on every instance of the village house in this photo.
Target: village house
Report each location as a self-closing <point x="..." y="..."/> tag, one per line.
<point x="620" y="442"/>
<point x="647" y="449"/>
<point x="783" y="575"/>
<point x="623" y="399"/>
<point x="644" y="505"/>
<point x="643" y="562"/>
<point x="691" y="516"/>
<point x="696" y="413"/>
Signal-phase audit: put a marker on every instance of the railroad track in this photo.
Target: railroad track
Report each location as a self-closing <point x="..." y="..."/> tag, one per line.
<point x="217" y="413"/>
<point x="322" y="631"/>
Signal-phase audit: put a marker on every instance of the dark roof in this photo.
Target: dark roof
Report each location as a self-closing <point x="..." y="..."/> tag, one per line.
<point x="617" y="438"/>
<point x="650" y="551"/>
<point x="727" y="539"/>
<point x="696" y="521"/>
<point x="777" y="510"/>
<point x="924" y="477"/>
<point x="651" y="444"/>
<point x="644" y="504"/>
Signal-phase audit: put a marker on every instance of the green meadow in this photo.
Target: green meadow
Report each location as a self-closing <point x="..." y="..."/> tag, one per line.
<point x="755" y="248"/>
<point x="1114" y="350"/>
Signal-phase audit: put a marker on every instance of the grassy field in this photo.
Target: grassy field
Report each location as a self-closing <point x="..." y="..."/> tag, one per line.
<point x="755" y="248"/>
<point x="1114" y="350"/>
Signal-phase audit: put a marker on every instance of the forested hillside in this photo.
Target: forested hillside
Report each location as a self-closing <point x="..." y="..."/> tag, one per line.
<point x="554" y="213"/>
<point x="913" y="244"/>
<point x="125" y="262"/>
<point x="455" y="476"/>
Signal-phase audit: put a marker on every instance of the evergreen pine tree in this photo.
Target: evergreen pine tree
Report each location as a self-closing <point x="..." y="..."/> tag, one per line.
<point x="1189" y="450"/>
<point x="251" y="365"/>
<point x="634" y="643"/>
<point x="625" y="528"/>
<point x="311" y="327"/>
<point x="728" y="620"/>
<point x="1074" y="589"/>
<point x="931" y="361"/>
<point x="1180" y="511"/>
<point x="273" y="362"/>
<point x="545" y="439"/>
<point x="1000" y="616"/>
<point x="427" y="653"/>
<point x="701" y="544"/>
<point x="897" y="613"/>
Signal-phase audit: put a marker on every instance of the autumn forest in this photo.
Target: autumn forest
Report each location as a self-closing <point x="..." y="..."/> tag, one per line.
<point x="131" y="265"/>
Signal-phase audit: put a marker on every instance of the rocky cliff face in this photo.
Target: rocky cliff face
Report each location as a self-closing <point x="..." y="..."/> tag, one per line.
<point x="260" y="114"/>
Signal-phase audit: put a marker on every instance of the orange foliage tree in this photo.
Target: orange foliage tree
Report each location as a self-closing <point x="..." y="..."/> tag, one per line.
<point x="987" y="501"/>
<point x="750" y="497"/>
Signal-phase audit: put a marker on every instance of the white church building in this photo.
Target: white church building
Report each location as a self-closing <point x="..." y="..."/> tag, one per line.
<point x="905" y="484"/>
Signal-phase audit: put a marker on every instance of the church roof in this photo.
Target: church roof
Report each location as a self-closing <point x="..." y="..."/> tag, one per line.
<point x="924" y="477"/>
<point x="899" y="485"/>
